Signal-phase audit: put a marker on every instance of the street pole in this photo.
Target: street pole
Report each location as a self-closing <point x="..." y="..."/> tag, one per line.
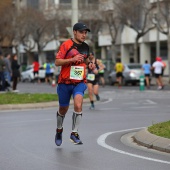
<point x="74" y="18"/>
<point x="157" y="38"/>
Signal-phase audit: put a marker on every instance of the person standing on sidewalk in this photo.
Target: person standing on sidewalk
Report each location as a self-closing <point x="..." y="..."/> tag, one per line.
<point x="72" y="57"/>
<point x="147" y="71"/>
<point x="157" y="66"/>
<point x="2" y="68"/>
<point x="15" y="72"/>
<point x="8" y="70"/>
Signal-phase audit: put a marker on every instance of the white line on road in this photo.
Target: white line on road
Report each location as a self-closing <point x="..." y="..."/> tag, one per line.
<point x="101" y="142"/>
<point x="151" y="102"/>
<point x="108" y="100"/>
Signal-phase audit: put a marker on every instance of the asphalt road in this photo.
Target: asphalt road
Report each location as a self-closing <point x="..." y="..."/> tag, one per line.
<point x="27" y="136"/>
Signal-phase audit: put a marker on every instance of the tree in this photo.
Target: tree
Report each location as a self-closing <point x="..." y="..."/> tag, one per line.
<point x="35" y="31"/>
<point x="137" y="15"/>
<point x="8" y="22"/>
<point x="163" y="22"/>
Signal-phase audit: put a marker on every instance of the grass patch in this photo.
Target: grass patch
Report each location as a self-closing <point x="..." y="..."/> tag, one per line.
<point x="17" y="98"/>
<point x="161" y="129"/>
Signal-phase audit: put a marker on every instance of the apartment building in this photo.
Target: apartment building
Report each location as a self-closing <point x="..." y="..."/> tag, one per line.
<point x="87" y="12"/>
<point x="126" y="39"/>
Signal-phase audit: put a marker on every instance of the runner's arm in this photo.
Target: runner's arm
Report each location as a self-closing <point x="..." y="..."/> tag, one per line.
<point x="65" y="61"/>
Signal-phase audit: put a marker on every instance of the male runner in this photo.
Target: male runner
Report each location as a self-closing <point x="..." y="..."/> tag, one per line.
<point x="72" y="57"/>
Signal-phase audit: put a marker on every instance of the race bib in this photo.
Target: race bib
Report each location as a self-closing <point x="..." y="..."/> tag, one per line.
<point x="91" y="77"/>
<point x="77" y="72"/>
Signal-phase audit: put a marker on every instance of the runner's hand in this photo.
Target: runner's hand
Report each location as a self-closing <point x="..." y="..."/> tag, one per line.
<point x="78" y="58"/>
<point x="92" y="66"/>
<point x="95" y="71"/>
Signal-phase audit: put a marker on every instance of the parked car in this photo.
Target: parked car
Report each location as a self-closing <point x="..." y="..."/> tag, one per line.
<point x="131" y="74"/>
<point x="28" y="74"/>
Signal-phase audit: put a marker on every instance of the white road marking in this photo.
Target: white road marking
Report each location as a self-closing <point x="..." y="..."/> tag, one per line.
<point x="108" y="100"/>
<point x="101" y="142"/>
<point x="151" y="102"/>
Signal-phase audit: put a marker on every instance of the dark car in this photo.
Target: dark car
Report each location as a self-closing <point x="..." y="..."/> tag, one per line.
<point x="131" y="74"/>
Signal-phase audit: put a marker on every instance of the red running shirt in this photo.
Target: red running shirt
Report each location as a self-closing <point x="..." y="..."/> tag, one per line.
<point x="69" y="49"/>
<point x="36" y="66"/>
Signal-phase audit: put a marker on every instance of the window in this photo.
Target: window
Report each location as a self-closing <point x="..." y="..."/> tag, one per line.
<point x="33" y="3"/>
<point x="65" y="1"/>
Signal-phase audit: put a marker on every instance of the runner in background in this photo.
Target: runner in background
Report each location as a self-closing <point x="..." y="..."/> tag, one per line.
<point x="119" y="71"/>
<point x="93" y="79"/>
<point x="47" y="67"/>
<point x="147" y="71"/>
<point x="157" y="66"/>
<point x="101" y="73"/>
<point x="36" y="66"/>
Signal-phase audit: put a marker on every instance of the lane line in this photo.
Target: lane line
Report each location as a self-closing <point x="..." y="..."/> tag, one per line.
<point x="151" y="102"/>
<point x="101" y="142"/>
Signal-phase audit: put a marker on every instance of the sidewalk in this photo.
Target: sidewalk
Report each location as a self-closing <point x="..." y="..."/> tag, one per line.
<point x="145" y="138"/>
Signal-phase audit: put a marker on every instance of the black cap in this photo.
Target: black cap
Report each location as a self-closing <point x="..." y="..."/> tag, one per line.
<point x="80" y="27"/>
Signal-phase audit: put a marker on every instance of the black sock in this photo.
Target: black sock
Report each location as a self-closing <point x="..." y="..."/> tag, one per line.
<point x="92" y="102"/>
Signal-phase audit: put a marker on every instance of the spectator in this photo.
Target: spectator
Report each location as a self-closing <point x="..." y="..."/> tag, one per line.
<point x="2" y="68"/>
<point x="15" y="72"/>
<point x="8" y="70"/>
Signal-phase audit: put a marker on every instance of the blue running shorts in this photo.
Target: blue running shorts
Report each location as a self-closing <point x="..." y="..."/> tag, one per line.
<point x="65" y="91"/>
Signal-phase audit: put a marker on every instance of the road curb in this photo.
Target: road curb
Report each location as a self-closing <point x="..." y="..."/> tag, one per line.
<point x="145" y="138"/>
<point x="33" y="105"/>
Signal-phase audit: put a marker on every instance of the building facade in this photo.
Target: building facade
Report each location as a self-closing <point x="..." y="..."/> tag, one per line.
<point x="126" y="39"/>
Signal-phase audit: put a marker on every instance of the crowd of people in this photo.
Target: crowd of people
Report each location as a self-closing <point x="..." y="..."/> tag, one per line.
<point x="9" y="71"/>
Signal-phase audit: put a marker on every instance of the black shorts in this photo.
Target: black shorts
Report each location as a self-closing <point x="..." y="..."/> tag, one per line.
<point x="95" y="82"/>
<point x="47" y="75"/>
<point x="147" y="75"/>
<point x="119" y="74"/>
<point x="36" y="73"/>
<point x="157" y="75"/>
<point x="101" y="74"/>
